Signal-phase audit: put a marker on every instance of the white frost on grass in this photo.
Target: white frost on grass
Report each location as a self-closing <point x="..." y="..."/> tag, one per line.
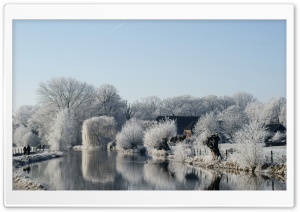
<point x="279" y="153"/>
<point x="23" y="160"/>
<point x="22" y="182"/>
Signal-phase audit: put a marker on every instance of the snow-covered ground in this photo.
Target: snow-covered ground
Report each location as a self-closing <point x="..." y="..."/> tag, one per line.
<point x="279" y="152"/>
<point x="23" y="182"/>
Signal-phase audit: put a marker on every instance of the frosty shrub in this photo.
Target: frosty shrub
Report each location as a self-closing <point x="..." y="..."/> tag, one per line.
<point x="182" y="152"/>
<point x="249" y="141"/>
<point x="61" y="134"/>
<point x="158" y="133"/>
<point x="131" y="135"/>
<point x="278" y="137"/>
<point x="98" y="131"/>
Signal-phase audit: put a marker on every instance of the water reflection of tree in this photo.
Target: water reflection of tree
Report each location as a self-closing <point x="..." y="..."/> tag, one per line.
<point x="158" y="176"/>
<point x="208" y="179"/>
<point x="54" y="174"/>
<point x="242" y="181"/>
<point x="62" y="173"/>
<point x="96" y="170"/>
<point x="100" y="171"/>
<point x="131" y="167"/>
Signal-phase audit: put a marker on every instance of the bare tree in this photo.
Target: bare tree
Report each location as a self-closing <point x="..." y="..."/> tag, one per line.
<point x="129" y="112"/>
<point x="60" y="93"/>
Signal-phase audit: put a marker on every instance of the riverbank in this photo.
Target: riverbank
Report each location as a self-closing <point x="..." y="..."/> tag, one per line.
<point x="275" y="170"/>
<point x="20" y="166"/>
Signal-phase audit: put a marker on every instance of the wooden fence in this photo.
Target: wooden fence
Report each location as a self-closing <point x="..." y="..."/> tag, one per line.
<point x="19" y="150"/>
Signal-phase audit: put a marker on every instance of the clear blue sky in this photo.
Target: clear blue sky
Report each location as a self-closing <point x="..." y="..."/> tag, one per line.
<point x="143" y="58"/>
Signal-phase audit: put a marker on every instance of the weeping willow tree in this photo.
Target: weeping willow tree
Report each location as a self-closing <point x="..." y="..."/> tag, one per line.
<point x="98" y="131"/>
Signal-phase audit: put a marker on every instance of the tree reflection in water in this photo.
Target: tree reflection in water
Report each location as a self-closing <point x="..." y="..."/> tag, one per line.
<point x="102" y="170"/>
<point x="96" y="169"/>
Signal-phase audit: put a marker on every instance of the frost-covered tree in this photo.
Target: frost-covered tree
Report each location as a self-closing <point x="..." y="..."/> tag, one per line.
<point x="23" y="136"/>
<point x="193" y="106"/>
<point x="157" y="135"/>
<point x="255" y="112"/>
<point x="60" y="93"/>
<point x="275" y="110"/>
<point x="249" y="142"/>
<point x="23" y="115"/>
<point x="282" y="115"/>
<point x="207" y="131"/>
<point x="174" y="105"/>
<point x="232" y="119"/>
<point x="211" y="103"/>
<point x="226" y="102"/>
<point x="109" y="103"/>
<point x="98" y="131"/>
<point x="41" y="122"/>
<point x="148" y="108"/>
<point x="24" y="132"/>
<point x="242" y="99"/>
<point x="61" y="134"/>
<point x="131" y="135"/>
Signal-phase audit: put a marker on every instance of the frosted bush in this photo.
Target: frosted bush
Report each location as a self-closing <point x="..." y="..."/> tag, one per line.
<point x="131" y="135"/>
<point x="249" y="143"/>
<point x="98" y="131"/>
<point x="158" y="133"/>
<point x="278" y="136"/>
<point x="182" y="152"/>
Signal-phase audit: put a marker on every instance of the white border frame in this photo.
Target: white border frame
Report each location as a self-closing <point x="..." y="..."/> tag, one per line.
<point x="14" y="198"/>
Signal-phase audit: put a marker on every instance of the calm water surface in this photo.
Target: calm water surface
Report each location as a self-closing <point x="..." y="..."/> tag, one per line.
<point x="102" y="170"/>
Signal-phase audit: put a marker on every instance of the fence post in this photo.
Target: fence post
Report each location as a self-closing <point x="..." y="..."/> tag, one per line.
<point x="271" y="156"/>
<point x="226" y="154"/>
<point x="200" y="152"/>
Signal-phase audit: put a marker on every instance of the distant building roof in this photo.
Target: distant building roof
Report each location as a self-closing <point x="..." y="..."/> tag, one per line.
<point x="275" y="128"/>
<point x="183" y="122"/>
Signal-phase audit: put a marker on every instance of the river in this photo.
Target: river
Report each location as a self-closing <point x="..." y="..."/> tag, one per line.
<point x="102" y="170"/>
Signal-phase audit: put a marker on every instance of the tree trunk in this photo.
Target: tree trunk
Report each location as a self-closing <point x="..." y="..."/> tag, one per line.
<point x="213" y="144"/>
